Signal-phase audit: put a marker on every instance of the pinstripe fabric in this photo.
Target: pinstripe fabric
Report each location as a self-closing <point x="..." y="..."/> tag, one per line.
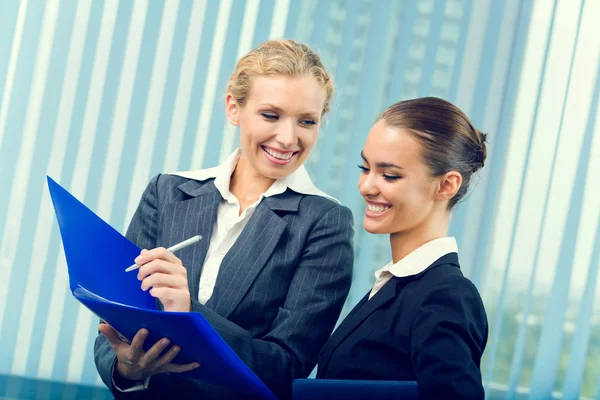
<point x="279" y="290"/>
<point x="79" y="79"/>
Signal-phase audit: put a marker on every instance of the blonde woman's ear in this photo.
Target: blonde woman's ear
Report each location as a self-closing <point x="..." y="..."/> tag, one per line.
<point x="232" y="109"/>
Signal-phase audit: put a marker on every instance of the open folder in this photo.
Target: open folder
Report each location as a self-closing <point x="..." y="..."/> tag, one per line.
<point x="97" y="256"/>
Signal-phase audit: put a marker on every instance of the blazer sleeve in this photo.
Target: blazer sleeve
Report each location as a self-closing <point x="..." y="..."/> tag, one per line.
<point x="313" y="304"/>
<point x="448" y="338"/>
<point x="142" y="231"/>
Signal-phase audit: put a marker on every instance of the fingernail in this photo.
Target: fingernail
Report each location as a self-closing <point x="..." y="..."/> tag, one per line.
<point x="175" y="349"/>
<point x="165" y="342"/>
<point x="138" y="259"/>
<point x="196" y="365"/>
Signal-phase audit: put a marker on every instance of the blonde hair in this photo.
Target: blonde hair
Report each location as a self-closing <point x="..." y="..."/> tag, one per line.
<point x="279" y="57"/>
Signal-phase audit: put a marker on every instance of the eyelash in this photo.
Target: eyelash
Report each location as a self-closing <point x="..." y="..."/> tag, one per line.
<point x="389" y="178"/>
<point x="307" y="123"/>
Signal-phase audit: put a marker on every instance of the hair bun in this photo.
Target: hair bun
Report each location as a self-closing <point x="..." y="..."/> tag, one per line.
<point x="481" y="154"/>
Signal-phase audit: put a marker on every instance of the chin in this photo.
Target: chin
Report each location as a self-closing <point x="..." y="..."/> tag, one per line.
<point x="374" y="228"/>
<point x="275" y="176"/>
<point x="277" y="173"/>
<point x="280" y="172"/>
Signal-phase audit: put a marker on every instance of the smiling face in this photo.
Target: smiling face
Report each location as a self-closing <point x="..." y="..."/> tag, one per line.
<point x="279" y="122"/>
<point x="399" y="192"/>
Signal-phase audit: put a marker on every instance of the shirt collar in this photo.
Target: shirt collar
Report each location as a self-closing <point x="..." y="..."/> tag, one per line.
<point x="421" y="258"/>
<point x="298" y="181"/>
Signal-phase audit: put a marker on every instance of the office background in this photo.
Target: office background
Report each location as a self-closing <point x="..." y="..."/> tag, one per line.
<point x="102" y="95"/>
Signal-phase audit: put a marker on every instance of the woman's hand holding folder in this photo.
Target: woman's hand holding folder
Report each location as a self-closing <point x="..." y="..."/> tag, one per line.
<point x="135" y="364"/>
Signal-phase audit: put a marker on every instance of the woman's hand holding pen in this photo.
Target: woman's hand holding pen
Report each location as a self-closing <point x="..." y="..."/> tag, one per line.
<point x="166" y="277"/>
<point x="134" y="363"/>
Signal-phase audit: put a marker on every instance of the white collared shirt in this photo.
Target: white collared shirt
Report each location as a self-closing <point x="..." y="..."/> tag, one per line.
<point x="415" y="262"/>
<point x="230" y="222"/>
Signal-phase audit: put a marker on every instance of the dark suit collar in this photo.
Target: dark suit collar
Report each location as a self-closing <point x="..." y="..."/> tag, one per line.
<point x="195" y="188"/>
<point x="287" y="201"/>
<point x="450" y="258"/>
<point x="366" y="307"/>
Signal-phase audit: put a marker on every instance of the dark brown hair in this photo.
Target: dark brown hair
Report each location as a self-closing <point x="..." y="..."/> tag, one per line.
<point x="449" y="141"/>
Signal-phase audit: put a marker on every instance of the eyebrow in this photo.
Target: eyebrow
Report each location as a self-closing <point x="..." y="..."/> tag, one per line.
<point x="381" y="164"/>
<point x="273" y="106"/>
<point x="313" y="114"/>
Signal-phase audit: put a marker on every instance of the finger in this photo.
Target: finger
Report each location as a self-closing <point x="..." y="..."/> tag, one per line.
<point x="111" y="334"/>
<point x="118" y="346"/>
<point x="161" y="266"/>
<point x="179" y="368"/>
<point x="157" y="253"/>
<point x="167" y="357"/>
<point x="155" y="351"/>
<point x="167" y="293"/>
<point x="164" y="254"/>
<point x="163" y="280"/>
<point x="137" y="345"/>
<point x="139" y="260"/>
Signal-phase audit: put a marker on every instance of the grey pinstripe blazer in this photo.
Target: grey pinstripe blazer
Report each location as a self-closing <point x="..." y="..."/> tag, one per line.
<point x="279" y="291"/>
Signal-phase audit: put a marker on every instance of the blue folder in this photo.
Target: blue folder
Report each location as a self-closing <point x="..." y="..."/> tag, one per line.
<point x="332" y="389"/>
<point x="97" y="256"/>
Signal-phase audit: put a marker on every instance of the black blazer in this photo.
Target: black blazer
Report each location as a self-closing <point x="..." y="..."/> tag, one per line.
<point x="429" y="327"/>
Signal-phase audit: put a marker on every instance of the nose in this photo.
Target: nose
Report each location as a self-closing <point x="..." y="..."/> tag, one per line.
<point x="367" y="185"/>
<point x="287" y="136"/>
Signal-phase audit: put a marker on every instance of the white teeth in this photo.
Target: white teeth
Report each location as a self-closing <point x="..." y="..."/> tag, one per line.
<point x="276" y="154"/>
<point x="376" y="209"/>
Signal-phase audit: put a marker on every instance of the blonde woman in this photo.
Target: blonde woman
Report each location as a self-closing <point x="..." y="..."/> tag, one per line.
<point x="274" y="267"/>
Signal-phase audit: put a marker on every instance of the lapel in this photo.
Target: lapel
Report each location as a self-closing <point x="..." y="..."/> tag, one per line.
<point x="205" y="201"/>
<point x="362" y="310"/>
<point x="251" y="251"/>
<point x="359" y="304"/>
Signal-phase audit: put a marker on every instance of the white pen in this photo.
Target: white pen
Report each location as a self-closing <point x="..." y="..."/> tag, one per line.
<point x="173" y="248"/>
